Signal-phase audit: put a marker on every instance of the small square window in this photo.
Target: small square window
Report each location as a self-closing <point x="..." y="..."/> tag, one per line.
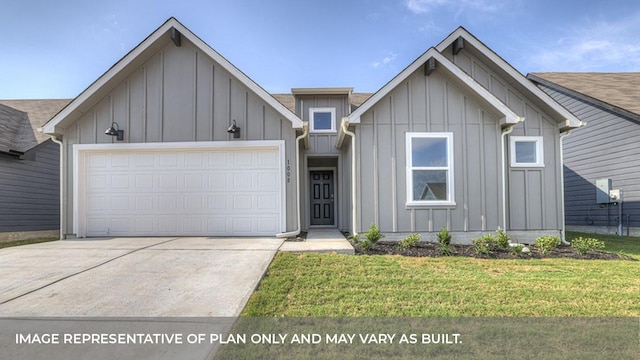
<point x="322" y="119"/>
<point x="527" y="151"/>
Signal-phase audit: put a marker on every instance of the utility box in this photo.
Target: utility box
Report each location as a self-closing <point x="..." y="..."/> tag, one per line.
<point x="603" y="187"/>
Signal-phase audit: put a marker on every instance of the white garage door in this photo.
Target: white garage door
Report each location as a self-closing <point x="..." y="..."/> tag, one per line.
<point x="213" y="191"/>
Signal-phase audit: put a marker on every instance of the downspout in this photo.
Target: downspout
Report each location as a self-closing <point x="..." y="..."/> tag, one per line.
<point x="63" y="218"/>
<point x="506" y="131"/>
<point x="296" y="232"/>
<point x="563" y="237"/>
<point x="345" y="125"/>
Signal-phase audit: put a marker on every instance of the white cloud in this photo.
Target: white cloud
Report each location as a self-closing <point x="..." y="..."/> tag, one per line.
<point x="424" y="6"/>
<point x="459" y="6"/>
<point x="384" y="61"/>
<point x="594" y="46"/>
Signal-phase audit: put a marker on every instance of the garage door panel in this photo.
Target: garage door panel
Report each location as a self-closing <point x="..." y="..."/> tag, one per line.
<point x="120" y="161"/>
<point x="143" y="160"/>
<point x="193" y="192"/>
<point x="167" y="160"/>
<point x="167" y="225"/>
<point x="97" y="182"/>
<point x="266" y="224"/>
<point x="97" y="161"/>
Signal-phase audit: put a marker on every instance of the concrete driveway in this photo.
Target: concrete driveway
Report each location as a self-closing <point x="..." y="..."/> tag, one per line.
<point x="133" y="277"/>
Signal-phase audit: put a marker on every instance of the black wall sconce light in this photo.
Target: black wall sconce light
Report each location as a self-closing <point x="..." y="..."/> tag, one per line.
<point x="235" y="130"/>
<point x="114" y="130"/>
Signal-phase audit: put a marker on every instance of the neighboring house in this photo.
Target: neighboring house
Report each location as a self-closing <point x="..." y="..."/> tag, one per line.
<point x="29" y="170"/>
<point x="206" y="151"/>
<point x="607" y="148"/>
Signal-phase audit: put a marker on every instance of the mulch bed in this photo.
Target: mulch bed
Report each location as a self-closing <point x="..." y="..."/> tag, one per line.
<point x="427" y="249"/>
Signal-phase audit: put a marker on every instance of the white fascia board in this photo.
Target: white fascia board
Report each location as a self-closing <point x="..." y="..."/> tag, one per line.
<point x="50" y="127"/>
<point x="511" y="72"/>
<point x="509" y="116"/>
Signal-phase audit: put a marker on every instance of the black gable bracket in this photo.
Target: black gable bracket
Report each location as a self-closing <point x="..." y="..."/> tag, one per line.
<point x="176" y="37"/>
<point x="429" y="66"/>
<point x="458" y="45"/>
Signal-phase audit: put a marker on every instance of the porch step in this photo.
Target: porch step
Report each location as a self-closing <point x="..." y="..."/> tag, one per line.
<point x="321" y="241"/>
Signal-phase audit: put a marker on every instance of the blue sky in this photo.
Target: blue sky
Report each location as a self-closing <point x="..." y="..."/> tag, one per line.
<point x="56" y="48"/>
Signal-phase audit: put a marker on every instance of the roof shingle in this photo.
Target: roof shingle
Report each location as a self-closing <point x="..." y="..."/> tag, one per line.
<point x="20" y="119"/>
<point x="618" y="89"/>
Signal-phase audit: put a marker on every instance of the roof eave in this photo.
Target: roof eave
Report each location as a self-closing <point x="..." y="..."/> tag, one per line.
<point x="509" y="117"/>
<point x="562" y="115"/>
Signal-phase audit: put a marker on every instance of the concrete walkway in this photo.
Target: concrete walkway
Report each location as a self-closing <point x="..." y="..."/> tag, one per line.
<point x="320" y="241"/>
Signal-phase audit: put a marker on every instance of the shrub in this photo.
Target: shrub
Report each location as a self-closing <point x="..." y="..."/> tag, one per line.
<point x="484" y="244"/>
<point x="444" y="241"/>
<point x="516" y="249"/>
<point x="409" y="241"/>
<point x="547" y="243"/>
<point x="502" y="239"/>
<point x="444" y="237"/>
<point x="373" y="234"/>
<point x="584" y="245"/>
<point x="371" y="237"/>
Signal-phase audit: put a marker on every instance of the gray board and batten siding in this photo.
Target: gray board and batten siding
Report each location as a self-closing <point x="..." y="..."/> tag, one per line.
<point x="323" y="155"/>
<point x="179" y="94"/>
<point x="606" y="148"/>
<point x="436" y="103"/>
<point x="534" y="194"/>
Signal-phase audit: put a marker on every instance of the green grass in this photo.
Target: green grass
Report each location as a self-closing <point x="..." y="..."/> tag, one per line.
<point x="627" y="245"/>
<point x="7" y="244"/>
<point x="331" y="285"/>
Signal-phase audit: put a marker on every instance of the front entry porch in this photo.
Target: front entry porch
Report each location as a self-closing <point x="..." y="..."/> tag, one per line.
<point x="320" y="240"/>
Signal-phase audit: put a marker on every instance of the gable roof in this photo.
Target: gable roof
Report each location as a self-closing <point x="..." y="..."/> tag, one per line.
<point x="616" y="91"/>
<point x="20" y="120"/>
<point x="489" y="99"/>
<point x="136" y="57"/>
<point x="565" y="118"/>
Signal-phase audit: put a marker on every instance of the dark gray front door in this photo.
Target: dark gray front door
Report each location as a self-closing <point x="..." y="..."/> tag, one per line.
<point x="322" y="198"/>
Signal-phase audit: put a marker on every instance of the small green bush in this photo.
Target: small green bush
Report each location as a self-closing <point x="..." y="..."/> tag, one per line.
<point x="409" y="242"/>
<point x="373" y="234"/>
<point x="584" y="245"/>
<point x="516" y="249"/>
<point x="502" y="239"/>
<point x="484" y="244"/>
<point x="444" y="237"/>
<point x="546" y="243"/>
<point x="444" y="241"/>
<point x="371" y="237"/>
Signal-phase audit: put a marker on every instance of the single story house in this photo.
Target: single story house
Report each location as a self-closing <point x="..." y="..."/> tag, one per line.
<point x="29" y="170"/>
<point x="175" y="140"/>
<point x="607" y="148"/>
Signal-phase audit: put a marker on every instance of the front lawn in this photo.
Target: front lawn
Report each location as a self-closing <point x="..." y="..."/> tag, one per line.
<point x="7" y="244"/>
<point x="330" y="285"/>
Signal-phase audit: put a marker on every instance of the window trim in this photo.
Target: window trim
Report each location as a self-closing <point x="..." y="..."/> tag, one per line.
<point x="314" y="110"/>
<point x="449" y="168"/>
<point x="538" y="140"/>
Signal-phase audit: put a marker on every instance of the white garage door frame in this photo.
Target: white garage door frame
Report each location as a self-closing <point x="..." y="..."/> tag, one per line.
<point x="80" y="152"/>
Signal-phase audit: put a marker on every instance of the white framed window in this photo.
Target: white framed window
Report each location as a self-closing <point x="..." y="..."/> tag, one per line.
<point x="322" y="119"/>
<point x="526" y="151"/>
<point x="430" y="169"/>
